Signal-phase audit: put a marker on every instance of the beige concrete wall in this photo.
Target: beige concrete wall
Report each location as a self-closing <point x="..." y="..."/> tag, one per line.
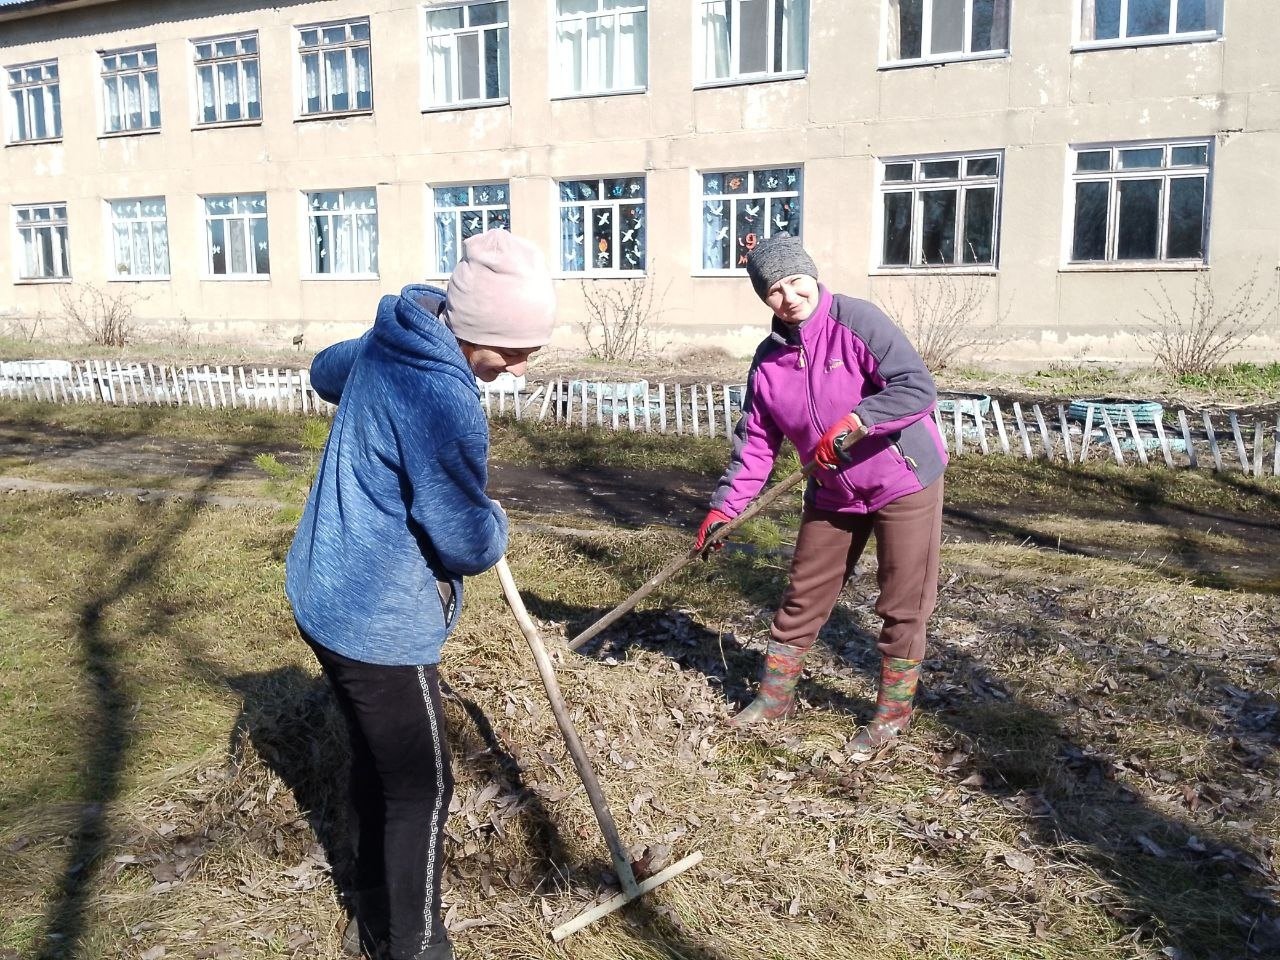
<point x="836" y="122"/>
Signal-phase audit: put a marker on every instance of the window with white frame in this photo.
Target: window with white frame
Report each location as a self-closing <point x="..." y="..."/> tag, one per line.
<point x="130" y="90"/>
<point x="933" y="30"/>
<point x="468" y="54"/>
<point x="227" y="79"/>
<point x="1118" y="22"/>
<point x="336" y="70"/>
<point x="343" y="225"/>
<point x="464" y="211"/>
<point x="602" y="228"/>
<point x="751" y="39"/>
<point x="742" y="207"/>
<point x="1136" y="202"/>
<point x="602" y="46"/>
<point x="235" y="230"/>
<point x="35" y="102"/>
<point x="42" y="239"/>
<point x="940" y="211"/>
<point x="140" y="237"/>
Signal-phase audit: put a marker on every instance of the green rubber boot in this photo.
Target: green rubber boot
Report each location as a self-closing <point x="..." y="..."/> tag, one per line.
<point x="898" y="682"/>
<point x="777" y="693"/>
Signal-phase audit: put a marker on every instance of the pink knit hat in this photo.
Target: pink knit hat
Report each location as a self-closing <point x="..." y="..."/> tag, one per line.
<point x="500" y="293"/>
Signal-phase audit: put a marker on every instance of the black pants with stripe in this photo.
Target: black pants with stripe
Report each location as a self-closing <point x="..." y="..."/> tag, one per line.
<point x="401" y="785"/>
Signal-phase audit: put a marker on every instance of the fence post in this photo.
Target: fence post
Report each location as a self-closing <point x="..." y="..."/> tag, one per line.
<point x="1259" y="446"/>
<point x="1111" y="435"/>
<point x="662" y="406"/>
<point x="1046" y="438"/>
<point x="679" y="412"/>
<point x="1241" y="451"/>
<point x="693" y="408"/>
<point x="1067" y="451"/>
<point x="1137" y="438"/>
<point x="1022" y="429"/>
<point x="1164" y="441"/>
<point x="728" y="418"/>
<point x="959" y="428"/>
<point x="1192" y="459"/>
<point x="1213" y="442"/>
<point x="1000" y="430"/>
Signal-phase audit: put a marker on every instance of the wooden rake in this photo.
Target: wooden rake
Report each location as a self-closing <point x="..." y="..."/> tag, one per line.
<point x="632" y="888"/>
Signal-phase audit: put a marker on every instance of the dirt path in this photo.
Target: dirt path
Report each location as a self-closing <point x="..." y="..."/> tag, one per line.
<point x="1205" y="545"/>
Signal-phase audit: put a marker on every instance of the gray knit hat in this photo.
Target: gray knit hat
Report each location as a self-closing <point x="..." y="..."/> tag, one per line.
<point x="779" y="256"/>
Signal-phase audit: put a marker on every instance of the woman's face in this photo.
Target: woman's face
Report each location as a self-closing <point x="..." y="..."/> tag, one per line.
<point x="488" y="362"/>
<point x="793" y="299"/>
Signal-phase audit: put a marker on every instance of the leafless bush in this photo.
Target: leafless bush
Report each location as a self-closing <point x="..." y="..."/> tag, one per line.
<point x="102" y="317"/>
<point x="1194" y="334"/>
<point x="620" y="317"/>
<point x="24" y="328"/>
<point x="941" y="314"/>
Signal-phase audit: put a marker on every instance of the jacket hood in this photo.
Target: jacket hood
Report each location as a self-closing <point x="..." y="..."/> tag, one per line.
<point x="408" y="328"/>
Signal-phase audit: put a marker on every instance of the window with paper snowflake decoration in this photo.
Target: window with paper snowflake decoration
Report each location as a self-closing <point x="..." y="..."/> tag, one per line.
<point x="464" y="211"/>
<point x="742" y="207"/>
<point x="235" y="229"/>
<point x="602" y="225"/>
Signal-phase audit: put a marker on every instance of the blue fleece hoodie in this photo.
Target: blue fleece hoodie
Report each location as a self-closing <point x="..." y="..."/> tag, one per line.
<point x="397" y="514"/>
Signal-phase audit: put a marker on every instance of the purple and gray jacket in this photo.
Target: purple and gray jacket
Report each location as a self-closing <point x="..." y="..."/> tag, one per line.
<point x="847" y="356"/>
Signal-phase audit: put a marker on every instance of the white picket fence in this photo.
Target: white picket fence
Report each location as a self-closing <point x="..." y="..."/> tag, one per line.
<point x="688" y="409"/>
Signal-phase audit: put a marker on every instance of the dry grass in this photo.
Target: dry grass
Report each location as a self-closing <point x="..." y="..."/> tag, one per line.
<point x="1093" y="774"/>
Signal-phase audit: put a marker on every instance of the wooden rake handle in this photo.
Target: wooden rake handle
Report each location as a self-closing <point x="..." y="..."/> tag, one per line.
<point x="621" y="865"/>
<point x="682" y="561"/>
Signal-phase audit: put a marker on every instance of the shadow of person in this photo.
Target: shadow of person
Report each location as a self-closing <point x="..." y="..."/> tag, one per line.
<point x="290" y="720"/>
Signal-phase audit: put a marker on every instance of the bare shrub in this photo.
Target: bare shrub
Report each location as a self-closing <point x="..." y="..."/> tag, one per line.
<point x="1194" y="334"/>
<point x="620" y="317"/>
<point x="24" y="328"/>
<point x="100" y="316"/>
<point x="941" y="314"/>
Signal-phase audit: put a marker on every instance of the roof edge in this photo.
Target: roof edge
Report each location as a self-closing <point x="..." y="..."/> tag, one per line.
<point x="26" y="9"/>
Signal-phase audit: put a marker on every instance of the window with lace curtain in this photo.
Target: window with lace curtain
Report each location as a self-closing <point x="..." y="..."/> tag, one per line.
<point x="467" y="54"/>
<point x="933" y="31"/>
<point x="42" y="242"/>
<point x="227" y="79"/>
<point x="130" y="90"/>
<point x="140" y="238"/>
<point x="602" y="46"/>
<point x="235" y="229"/>
<point x="1126" y="22"/>
<point x="343" y="226"/>
<point x="336" y="68"/>
<point x="35" y="102"/>
<point x="464" y="211"/>
<point x="751" y="39"/>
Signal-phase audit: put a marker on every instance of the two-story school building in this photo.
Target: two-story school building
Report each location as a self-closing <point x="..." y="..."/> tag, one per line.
<point x="258" y="170"/>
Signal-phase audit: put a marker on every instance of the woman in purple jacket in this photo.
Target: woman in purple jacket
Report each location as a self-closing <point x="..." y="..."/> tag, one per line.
<point x="839" y="380"/>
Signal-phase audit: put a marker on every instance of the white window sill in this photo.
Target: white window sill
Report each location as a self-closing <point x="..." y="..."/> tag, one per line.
<point x="40" y="281"/>
<point x="1163" y="40"/>
<point x="944" y="59"/>
<point x="467" y="105"/>
<point x="1135" y="266"/>
<point x="340" y="277"/>
<point x="33" y="143"/>
<point x="596" y="94"/>
<point x="227" y="124"/>
<point x="338" y="115"/>
<point x="117" y="134"/>
<point x="752" y="78"/>
<point x="140" y="278"/>
<point x="951" y="270"/>
<point x="237" y="278"/>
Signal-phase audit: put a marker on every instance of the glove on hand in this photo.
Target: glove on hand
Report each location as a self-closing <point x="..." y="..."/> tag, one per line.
<point x="829" y="452"/>
<point x="713" y="521"/>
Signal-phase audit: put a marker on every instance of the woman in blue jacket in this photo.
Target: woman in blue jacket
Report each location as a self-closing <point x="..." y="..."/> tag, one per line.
<point x="396" y="518"/>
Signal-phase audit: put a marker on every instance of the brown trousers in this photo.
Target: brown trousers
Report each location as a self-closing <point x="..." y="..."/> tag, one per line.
<point x="908" y="534"/>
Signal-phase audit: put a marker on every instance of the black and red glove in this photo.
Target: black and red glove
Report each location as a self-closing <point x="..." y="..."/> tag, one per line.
<point x="714" y="520"/>
<point x="833" y="449"/>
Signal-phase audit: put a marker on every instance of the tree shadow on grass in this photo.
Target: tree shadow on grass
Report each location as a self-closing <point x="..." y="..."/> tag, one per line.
<point x="109" y="725"/>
